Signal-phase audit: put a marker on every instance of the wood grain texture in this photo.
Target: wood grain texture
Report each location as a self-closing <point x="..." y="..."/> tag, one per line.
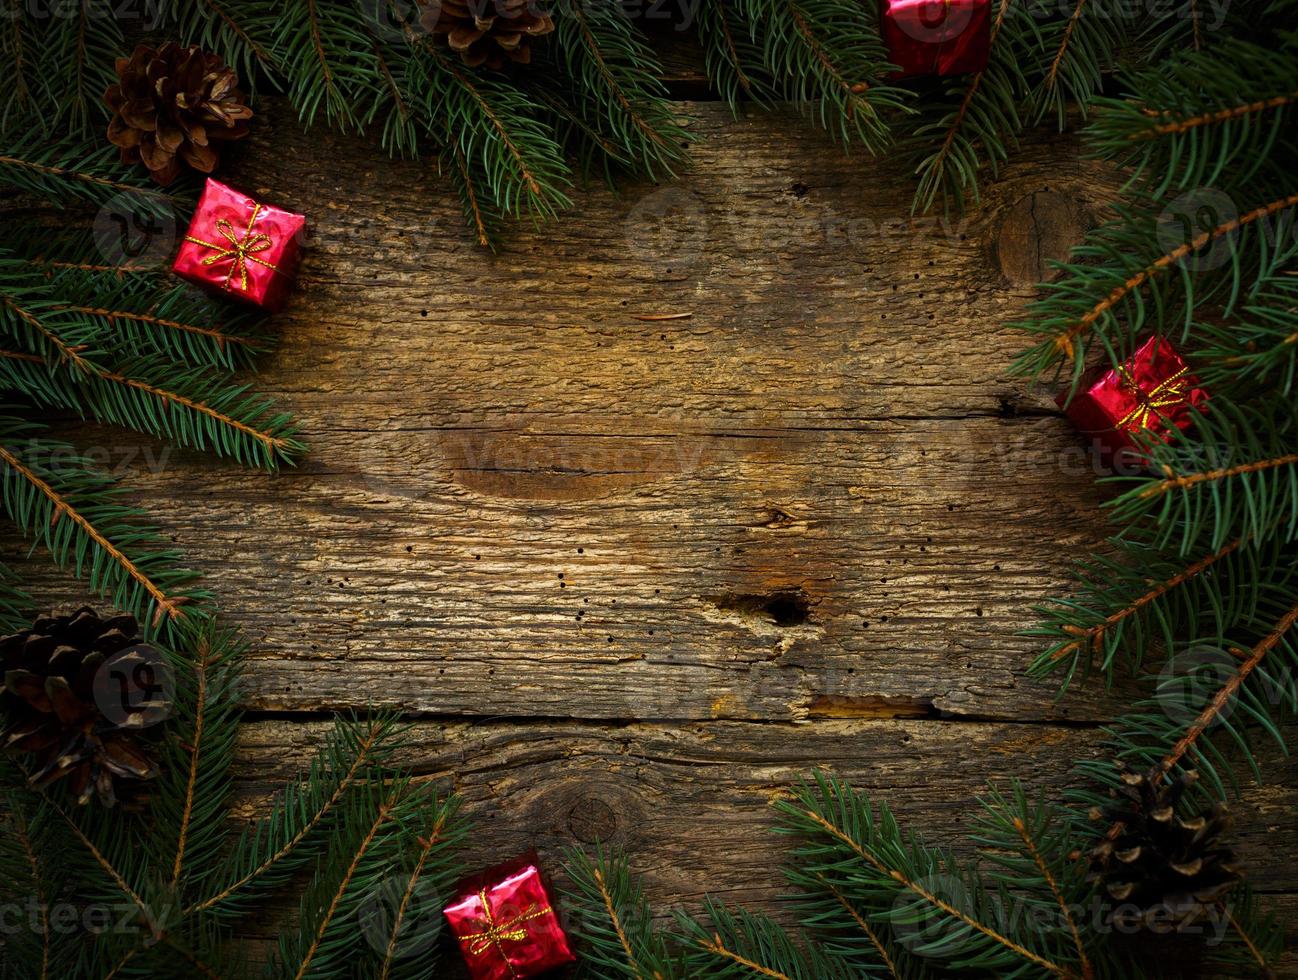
<point x="637" y="576"/>
<point x="819" y="494"/>
<point x="691" y="802"/>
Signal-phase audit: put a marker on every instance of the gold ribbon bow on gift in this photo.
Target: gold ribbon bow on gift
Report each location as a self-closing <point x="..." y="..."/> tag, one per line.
<point x="1168" y="393"/>
<point x="510" y="930"/>
<point x="240" y="249"/>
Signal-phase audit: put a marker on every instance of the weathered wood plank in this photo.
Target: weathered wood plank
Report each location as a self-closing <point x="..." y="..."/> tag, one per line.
<point x="820" y="494"/>
<point x="690" y="802"/>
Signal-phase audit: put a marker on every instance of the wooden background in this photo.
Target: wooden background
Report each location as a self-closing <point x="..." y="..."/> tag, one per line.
<point x="632" y="578"/>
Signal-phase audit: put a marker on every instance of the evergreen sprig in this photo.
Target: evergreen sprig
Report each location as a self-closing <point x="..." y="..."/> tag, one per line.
<point x="827" y="57"/>
<point x="1234" y="476"/>
<point x="978" y="122"/>
<point x="616" y="78"/>
<point x="61" y="501"/>
<point x="616" y="927"/>
<point x="1209" y="118"/>
<point x="1139" y="598"/>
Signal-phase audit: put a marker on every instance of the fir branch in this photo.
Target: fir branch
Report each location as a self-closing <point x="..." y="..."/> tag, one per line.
<point x="869" y="931"/>
<point x="934" y="900"/>
<point x="514" y="155"/>
<point x="1081" y="50"/>
<point x="1030" y="847"/>
<point x="1137" y="599"/>
<point x="980" y="127"/>
<point x="124" y="316"/>
<point x="21" y="862"/>
<point x="85" y="47"/>
<point x="618" y="75"/>
<point x="1107" y="296"/>
<point x="106" y="867"/>
<point x="1202" y="119"/>
<point x="327" y="54"/>
<point x="1064" y="342"/>
<point x="844" y="845"/>
<point x="16" y="607"/>
<point x="1213" y="710"/>
<point x="1234" y="475"/>
<point x="73" y="511"/>
<point x="207" y="415"/>
<point x="1258" y="938"/>
<point x="828" y="58"/>
<point x="69" y="171"/>
<point x="739" y="944"/>
<point x="190" y="816"/>
<point x="222" y="342"/>
<point x="1258" y="344"/>
<point x="329" y="920"/>
<point x="16" y="56"/>
<point x="191" y="781"/>
<point x="411" y="950"/>
<point x="733" y="61"/>
<point x="616" y="924"/>
<point x="1171" y="483"/>
<point x="196" y="408"/>
<point x="378" y="829"/>
<point x="471" y="199"/>
<point x="283" y="841"/>
<point x="717" y="947"/>
<point x="1203" y="694"/>
<point x="25" y="308"/>
<point x="231" y="28"/>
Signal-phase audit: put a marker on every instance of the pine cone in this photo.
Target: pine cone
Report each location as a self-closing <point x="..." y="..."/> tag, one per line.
<point x="487" y="32"/>
<point x="52" y="673"/>
<point x="1162" y="871"/>
<point x="172" y="104"/>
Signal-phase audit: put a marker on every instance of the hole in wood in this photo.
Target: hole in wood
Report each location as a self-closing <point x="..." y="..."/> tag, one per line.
<point x="785" y="607"/>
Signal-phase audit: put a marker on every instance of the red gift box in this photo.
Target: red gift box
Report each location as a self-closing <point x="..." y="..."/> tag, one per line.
<point x="240" y="247"/>
<point x="1152" y="390"/>
<point x="936" y="37"/>
<point x="505" y="924"/>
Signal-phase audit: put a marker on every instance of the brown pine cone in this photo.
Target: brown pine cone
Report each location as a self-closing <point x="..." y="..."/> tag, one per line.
<point x="487" y="32"/>
<point x="1162" y="872"/>
<point x="79" y="695"/>
<point x="170" y="105"/>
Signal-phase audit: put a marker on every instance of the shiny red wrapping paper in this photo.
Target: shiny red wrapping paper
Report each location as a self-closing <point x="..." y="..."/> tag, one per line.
<point x="505" y="924"/>
<point x="1152" y="390"/>
<point x="240" y="247"/>
<point x="936" y="37"/>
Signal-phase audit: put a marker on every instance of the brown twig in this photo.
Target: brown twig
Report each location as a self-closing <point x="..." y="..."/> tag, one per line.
<point x="426" y="846"/>
<point x="1094" y="635"/>
<point x="362" y="757"/>
<point x="934" y="900"/>
<point x="171" y="606"/>
<point x="1181" y="482"/>
<point x="1064" y="341"/>
<point x="380" y="818"/>
<point x="201" y="662"/>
